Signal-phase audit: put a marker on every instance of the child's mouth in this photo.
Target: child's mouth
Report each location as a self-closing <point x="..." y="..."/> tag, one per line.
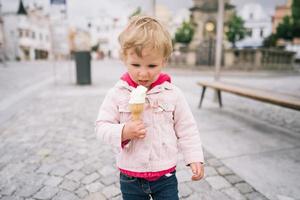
<point x="142" y="82"/>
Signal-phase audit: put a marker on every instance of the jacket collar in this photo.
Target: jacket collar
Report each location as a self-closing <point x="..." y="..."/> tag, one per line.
<point x="160" y="80"/>
<point x="164" y="86"/>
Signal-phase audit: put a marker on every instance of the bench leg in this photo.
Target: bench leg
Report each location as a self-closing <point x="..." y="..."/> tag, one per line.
<point x="219" y="98"/>
<point x="202" y="96"/>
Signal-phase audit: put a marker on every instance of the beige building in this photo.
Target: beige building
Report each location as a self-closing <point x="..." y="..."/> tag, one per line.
<point x="280" y="12"/>
<point x="204" y="16"/>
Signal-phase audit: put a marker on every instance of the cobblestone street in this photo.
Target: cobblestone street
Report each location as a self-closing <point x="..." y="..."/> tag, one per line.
<point x="49" y="149"/>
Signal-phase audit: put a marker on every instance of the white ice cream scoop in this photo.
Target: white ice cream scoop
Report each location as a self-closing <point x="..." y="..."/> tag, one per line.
<point x="138" y="95"/>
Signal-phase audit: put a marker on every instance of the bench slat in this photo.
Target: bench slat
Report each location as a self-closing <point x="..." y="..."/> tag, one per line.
<point x="261" y="95"/>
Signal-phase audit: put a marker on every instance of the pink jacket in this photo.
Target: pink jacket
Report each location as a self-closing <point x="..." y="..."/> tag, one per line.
<point x="169" y="122"/>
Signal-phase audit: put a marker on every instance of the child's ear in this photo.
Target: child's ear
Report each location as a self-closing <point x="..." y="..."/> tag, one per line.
<point x="164" y="62"/>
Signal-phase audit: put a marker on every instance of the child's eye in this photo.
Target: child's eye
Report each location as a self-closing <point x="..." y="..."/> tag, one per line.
<point x="135" y="65"/>
<point x="151" y="66"/>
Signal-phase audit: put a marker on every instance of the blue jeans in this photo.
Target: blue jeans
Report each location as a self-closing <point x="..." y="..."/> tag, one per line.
<point x="165" y="188"/>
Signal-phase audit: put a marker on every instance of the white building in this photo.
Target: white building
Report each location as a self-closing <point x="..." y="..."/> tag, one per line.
<point x="26" y="34"/>
<point x="104" y="31"/>
<point x="257" y="22"/>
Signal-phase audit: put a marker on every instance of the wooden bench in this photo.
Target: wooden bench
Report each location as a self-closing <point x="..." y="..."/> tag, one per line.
<point x="283" y="100"/>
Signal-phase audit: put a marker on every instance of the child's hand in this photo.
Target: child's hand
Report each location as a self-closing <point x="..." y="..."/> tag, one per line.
<point x="198" y="171"/>
<point x="133" y="130"/>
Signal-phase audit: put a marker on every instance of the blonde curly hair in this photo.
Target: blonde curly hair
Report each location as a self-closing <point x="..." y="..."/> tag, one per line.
<point x="145" y="32"/>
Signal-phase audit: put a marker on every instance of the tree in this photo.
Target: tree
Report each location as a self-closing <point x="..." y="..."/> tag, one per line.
<point x="285" y="29"/>
<point x="236" y="30"/>
<point x="296" y="18"/>
<point x="270" y="41"/>
<point x="184" y="34"/>
<point x="137" y="11"/>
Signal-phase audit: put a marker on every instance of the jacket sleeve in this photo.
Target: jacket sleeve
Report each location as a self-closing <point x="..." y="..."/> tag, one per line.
<point x="108" y="128"/>
<point x="187" y="132"/>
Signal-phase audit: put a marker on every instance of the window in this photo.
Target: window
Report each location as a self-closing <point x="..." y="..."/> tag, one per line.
<point x="20" y="33"/>
<point x="261" y="32"/>
<point x="33" y="35"/>
<point x="249" y="32"/>
<point x="251" y="16"/>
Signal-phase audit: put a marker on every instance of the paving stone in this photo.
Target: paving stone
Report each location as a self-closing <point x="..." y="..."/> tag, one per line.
<point x="210" y="171"/>
<point x="95" y="196"/>
<point x="111" y="191"/>
<point x="193" y="197"/>
<point x="233" y="179"/>
<point x="53" y="181"/>
<point x="28" y="190"/>
<point x="94" y="187"/>
<point x="45" y="168"/>
<point x="119" y="197"/>
<point x="234" y="193"/>
<point x="219" y="195"/>
<point x="223" y="170"/>
<point x="199" y="186"/>
<point x="81" y="192"/>
<point x="8" y="190"/>
<point x="60" y="171"/>
<point x="214" y="162"/>
<point x="183" y="176"/>
<point x="90" y="178"/>
<point x="218" y="182"/>
<point x="244" y="188"/>
<point x="11" y="198"/>
<point x="75" y="175"/>
<point x="207" y="155"/>
<point x="30" y="168"/>
<point x="184" y="190"/>
<point x="107" y="171"/>
<point x="65" y="195"/>
<point x="32" y="179"/>
<point x="255" y="196"/>
<point x="77" y="165"/>
<point x="284" y="197"/>
<point x="88" y="169"/>
<point x="69" y="185"/>
<point x="46" y="193"/>
<point x="212" y="195"/>
<point x="109" y="180"/>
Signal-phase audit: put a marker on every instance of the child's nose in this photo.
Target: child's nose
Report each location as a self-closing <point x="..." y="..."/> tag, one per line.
<point x="143" y="72"/>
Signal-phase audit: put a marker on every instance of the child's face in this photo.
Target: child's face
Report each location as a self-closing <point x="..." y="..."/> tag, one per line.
<point x="146" y="69"/>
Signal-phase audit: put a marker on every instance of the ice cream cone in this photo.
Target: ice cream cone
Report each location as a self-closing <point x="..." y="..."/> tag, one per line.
<point x="136" y="110"/>
<point x="136" y="102"/>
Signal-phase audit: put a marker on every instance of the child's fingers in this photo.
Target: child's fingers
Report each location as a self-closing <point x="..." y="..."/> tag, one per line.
<point x="194" y="168"/>
<point x="142" y="133"/>
<point x="198" y="171"/>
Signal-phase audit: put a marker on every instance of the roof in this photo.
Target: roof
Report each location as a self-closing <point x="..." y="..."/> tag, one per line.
<point x="21" y="10"/>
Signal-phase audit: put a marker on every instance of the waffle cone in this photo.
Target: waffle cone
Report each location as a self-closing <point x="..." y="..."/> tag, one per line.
<point x="136" y="110"/>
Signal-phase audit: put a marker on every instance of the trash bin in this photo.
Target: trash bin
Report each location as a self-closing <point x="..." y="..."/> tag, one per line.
<point x="83" y="67"/>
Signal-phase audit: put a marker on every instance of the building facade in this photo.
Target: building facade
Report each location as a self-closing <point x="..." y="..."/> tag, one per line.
<point x="204" y="17"/>
<point x="280" y="12"/>
<point x="26" y="34"/>
<point x="258" y="24"/>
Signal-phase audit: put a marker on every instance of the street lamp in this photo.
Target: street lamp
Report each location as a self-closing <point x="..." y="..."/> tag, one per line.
<point x="210" y="27"/>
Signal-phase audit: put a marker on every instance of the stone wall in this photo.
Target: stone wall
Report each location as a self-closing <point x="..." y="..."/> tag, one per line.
<point x="251" y="59"/>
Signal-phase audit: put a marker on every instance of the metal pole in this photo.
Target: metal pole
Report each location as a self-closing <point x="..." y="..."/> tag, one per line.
<point x="219" y="39"/>
<point x="153" y="7"/>
<point x="3" y="45"/>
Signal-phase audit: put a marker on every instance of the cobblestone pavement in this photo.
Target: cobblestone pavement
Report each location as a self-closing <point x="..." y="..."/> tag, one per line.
<point x="49" y="151"/>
